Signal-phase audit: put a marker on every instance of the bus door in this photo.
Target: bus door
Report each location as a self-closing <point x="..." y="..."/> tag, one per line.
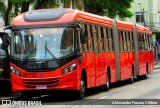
<point x="96" y="55"/>
<point x="4" y="56"/>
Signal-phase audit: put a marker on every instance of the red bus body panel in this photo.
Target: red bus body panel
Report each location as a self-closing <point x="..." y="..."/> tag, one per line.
<point x="94" y="64"/>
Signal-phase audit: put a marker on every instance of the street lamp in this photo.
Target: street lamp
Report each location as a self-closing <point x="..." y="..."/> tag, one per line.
<point x="142" y="11"/>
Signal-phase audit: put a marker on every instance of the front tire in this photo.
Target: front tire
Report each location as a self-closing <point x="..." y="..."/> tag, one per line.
<point x="81" y="93"/>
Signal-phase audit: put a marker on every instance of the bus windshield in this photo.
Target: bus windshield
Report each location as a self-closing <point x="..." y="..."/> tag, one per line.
<point x="42" y="43"/>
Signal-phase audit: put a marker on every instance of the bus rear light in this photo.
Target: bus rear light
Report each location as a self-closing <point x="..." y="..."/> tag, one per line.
<point x="69" y="68"/>
<point x="15" y="71"/>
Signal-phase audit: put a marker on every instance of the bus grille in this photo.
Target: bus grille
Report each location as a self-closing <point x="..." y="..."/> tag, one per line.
<point x="49" y="82"/>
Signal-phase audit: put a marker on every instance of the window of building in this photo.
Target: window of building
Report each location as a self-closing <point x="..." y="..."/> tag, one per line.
<point x="139" y="17"/>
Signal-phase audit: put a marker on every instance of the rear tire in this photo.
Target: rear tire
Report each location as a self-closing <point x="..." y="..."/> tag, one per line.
<point x="131" y="80"/>
<point x="106" y="87"/>
<point x="81" y="93"/>
<point x="146" y="75"/>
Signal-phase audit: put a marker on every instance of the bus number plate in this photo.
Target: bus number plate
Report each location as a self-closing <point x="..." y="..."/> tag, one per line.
<point x="29" y="75"/>
<point x="41" y="87"/>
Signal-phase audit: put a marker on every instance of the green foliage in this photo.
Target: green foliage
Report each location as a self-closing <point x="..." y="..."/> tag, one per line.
<point x="39" y="4"/>
<point x="111" y="8"/>
<point x="20" y="1"/>
<point x="3" y="9"/>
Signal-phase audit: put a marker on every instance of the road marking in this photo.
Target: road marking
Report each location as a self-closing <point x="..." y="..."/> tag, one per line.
<point x="104" y="97"/>
<point x="75" y="107"/>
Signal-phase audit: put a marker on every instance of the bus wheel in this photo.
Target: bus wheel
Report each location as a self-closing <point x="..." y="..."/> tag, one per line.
<point x="106" y="87"/>
<point x="26" y="96"/>
<point x="146" y="74"/>
<point x="81" y="93"/>
<point x="131" y="81"/>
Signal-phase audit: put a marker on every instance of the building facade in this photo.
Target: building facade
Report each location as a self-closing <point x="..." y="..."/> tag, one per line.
<point x="146" y="13"/>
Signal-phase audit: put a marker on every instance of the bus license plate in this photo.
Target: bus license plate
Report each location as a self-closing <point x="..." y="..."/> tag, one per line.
<point x="41" y="87"/>
<point x="29" y="75"/>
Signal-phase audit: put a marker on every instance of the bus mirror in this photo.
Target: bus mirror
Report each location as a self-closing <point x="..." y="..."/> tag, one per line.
<point x="7" y="27"/>
<point x="82" y="38"/>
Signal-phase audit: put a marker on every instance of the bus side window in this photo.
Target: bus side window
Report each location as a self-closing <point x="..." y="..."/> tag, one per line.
<point x="142" y="42"/>
<point x="150" y="43"/>
<point x="120" y="41"/>
<point x="131" y="40"/>
<point x="139" y="41"/>
<point x="110" y="40"/>
<point x="147" y="38"/>
<point x="105" y="39"/>
<point x="100" y="39"/>
<point x="102" y="36"/>
<point x="89" y="38"/>
<point x="145" y="42"/>
<point x="124" y="41"/>
<point x="128" y="41"/>
<point x="84" y="46"/>
<point x="94" y="34"/>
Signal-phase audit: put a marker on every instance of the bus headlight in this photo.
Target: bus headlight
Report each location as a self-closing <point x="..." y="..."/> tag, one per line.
<point x="69" y="68"/>
<point x="15" y="71"/>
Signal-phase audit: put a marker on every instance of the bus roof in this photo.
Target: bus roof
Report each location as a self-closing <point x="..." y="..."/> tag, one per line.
<point x="66" y="15"/>
<point x="125" y="25"/>
<point x="142" y="29"/>
<point x="57" y="16"/>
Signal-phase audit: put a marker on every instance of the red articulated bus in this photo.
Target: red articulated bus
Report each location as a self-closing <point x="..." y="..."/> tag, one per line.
<point x="67" y="49"/>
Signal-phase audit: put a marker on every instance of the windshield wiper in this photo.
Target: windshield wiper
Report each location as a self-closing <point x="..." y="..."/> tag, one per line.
<point x="30" y="52"/>
<point x="47" y="50"/>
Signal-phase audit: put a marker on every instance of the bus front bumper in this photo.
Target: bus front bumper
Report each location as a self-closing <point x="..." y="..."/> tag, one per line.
<point x="69" y="81"/>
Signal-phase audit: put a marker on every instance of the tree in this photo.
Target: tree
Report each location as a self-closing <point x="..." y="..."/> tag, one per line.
<point x="21" y="6"/>
<point x="111" y="8"/>
<point x="40" y="4"/>
<point x="9" y="8"/>
<point x="79" y="4"/>
<point x="3" y="9"/>
<point x="67" y="3"/>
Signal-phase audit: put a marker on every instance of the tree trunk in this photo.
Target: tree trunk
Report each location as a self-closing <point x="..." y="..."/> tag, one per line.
<point x="16" y="9"/>
<point x="67" y="3"/>
<point x="73" y="6"/>
<point x="9" y="8"/>
<point x="80" y="4"/>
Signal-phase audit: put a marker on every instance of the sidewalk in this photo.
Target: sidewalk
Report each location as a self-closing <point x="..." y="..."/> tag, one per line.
<point x="156" y="66"/>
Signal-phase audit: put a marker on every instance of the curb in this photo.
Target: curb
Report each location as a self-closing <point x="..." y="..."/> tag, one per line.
<point x="156" y="68"/>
